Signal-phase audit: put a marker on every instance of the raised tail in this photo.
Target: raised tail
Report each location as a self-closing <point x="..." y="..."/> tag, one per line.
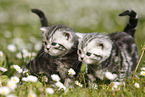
<point x="132" y="23"/>
<point x="43" y="19"/>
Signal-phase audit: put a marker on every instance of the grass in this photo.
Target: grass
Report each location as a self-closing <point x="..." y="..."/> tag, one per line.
<point x="20" y="27"/>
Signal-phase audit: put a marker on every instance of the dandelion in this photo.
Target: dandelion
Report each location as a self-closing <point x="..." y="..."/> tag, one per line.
<point x="11" y="48"/>
<point x="15" y="79"/>
<point x="79" y="84"/>
<point x="110" y="76"/>
<point x="1" y="54"/>
<point x="32" y="78"/>
<point x="3" y="69"/>
<point x="137" y="85"/>
<point x="4" y="90"/>
<point x="55" y="77"/>
<point x="32" y="94"/>
<point x="142" y="73"/>
<point x="71" y="72"/>
<point x="49" y="90"/>
<point x="44" y="79"/>
<point x="11" y="84"/>
<point x="24" y="79"/>
<point x="60" y="85"/>
<point x="18" y="69"/>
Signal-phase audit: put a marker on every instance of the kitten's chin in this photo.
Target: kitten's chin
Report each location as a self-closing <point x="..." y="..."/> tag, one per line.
<point x="89" y="61"/>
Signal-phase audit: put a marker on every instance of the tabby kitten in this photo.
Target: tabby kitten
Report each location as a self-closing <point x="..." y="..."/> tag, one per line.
<point x="58" y="53"/>
<point x="116" y="53"/>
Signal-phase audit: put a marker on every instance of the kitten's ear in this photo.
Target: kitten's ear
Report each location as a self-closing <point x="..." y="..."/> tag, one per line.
<point x="67" y="35"/>
<point x="80" y="35"/>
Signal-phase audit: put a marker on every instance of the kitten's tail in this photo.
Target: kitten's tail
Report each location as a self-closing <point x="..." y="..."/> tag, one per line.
<point x="132" y="23"/>
<point x="43" y="19"/>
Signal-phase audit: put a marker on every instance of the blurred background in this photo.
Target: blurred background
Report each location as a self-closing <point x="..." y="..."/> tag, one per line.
<point x="19" y="27"/>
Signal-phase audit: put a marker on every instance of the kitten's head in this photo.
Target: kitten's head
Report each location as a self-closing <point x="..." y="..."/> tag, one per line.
<point x="94" y="48"/>
<point x="58" y="39"/>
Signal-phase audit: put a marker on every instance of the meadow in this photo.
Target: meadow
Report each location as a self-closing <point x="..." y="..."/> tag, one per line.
<point x="20" y="40"/>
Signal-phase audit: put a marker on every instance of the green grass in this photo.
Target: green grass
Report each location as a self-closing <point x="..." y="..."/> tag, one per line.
<point x="17" y="21"/>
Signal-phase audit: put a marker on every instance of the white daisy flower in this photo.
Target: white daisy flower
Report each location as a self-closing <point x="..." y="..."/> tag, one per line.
<point x="137" y="85"/>
<point x="25" y="79"/>
<point x="11" y="48"/>
<point x="49" y="90"/>
<point x="116" y="87"/>
<point x="60" y="85"/>
<point x="15" y="79"/>
<point x="110" y="76"/>
<point x="4" y="90"/>
<point x="1" y="54"/>
<point x="11" y="95"/>
<point x="19" y="55"/>
<point x="32" y="94"/>
<point x="11" y="84"/>
<point x="142" y="73"/>
<point x="44" y="79"/>
<point x="25" y="71"/>
<point x="25" y="53"/>
<point x="18" y="69"/>
<point x="32" y="78"/>
<point x="3" y="69"/>
<point x="55" y="77"/>
<point x="79" y="84"/>
<point x="143" y="68"/>
<point x="71" y="72"/>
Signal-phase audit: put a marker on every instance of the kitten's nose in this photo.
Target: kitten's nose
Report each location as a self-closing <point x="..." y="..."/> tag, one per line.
<point x="48" y="49"/>
<point x="82" y="58"/>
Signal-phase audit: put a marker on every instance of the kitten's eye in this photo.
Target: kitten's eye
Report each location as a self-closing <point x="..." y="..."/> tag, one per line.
<point x="54" y="44"/>
<point x="44" y="42"/>
<point x="79" y="51"/>
<point x="88" y="54"/>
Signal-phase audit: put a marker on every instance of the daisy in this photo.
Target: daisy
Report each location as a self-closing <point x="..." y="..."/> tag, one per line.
<point x="49" y="90"/>
<point x="1" y="54"/>
<point x="11" y="48"/>
<point x="60" y="85"/>
<point x="3" y="69"/>
<point x="137" y="85"/>
<point x="110" y="76"/>
<point x="4" y="90"/>
<point x="71" y="72"/>
<point x="15" y="79"/>
<point x="17" y="68"/>
<point x="142" y="73"/>
<point x="32" y="78"/>
<point x="11" y="84"/>
<point x="143" y="68"/>
<point x="25" y="79"/>
<point x="32" y="94"/>
<point x="44" y="79"/>
<point x="55" y="77"/>
<point x="79" y="84"/>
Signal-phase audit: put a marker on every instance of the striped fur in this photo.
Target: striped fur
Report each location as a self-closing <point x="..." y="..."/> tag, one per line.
<point x="55" y="56"/>
<point x="116" y="52"/>
<point x="132" y="23"/>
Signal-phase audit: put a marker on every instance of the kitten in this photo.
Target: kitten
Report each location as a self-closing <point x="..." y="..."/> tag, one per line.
<point x="116" y="53"/>
<point x="58" y="53"/>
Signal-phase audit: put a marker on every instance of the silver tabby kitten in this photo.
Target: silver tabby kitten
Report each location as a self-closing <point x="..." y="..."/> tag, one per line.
<point x="58" y="53"/>
<point x="116" y="53"/>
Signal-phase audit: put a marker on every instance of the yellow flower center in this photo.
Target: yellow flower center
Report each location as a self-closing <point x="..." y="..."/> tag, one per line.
<point x="144" y="73"/>
<point x="17" y="68"/>
<point x="70" y="72"/>
<point x="14" y="80"/>
<point x="4" y="92"/>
